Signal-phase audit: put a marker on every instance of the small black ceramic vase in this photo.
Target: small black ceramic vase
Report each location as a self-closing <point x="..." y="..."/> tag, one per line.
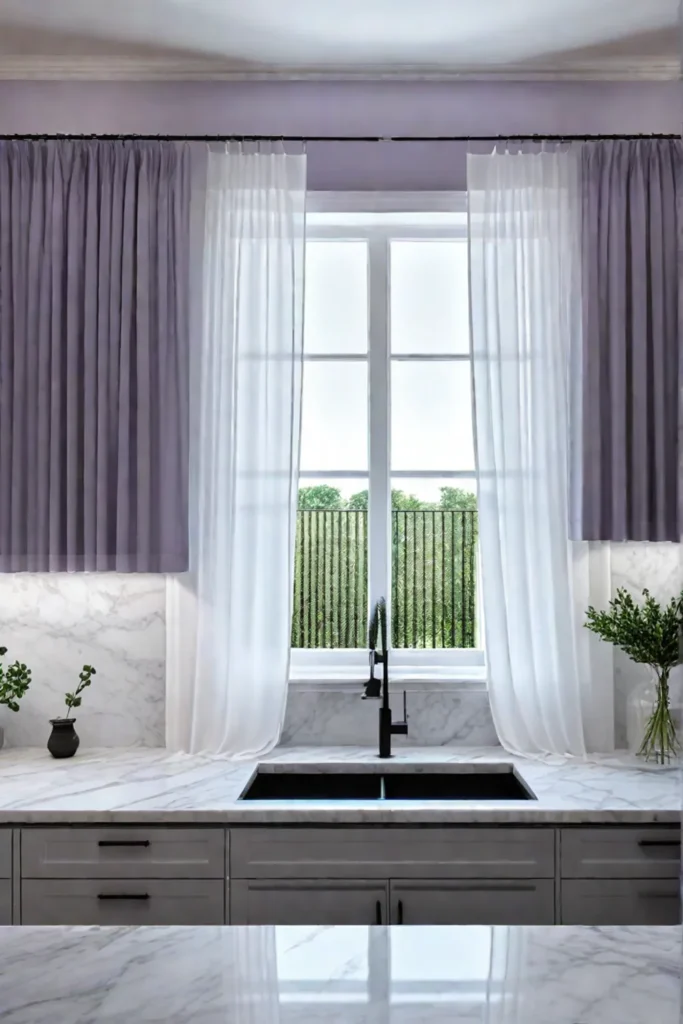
<point x="63" y="741"/>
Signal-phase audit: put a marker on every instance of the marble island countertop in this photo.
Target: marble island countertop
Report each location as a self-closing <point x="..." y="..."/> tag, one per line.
<point x="305" y="975"/>
<point x="152" y="785"/>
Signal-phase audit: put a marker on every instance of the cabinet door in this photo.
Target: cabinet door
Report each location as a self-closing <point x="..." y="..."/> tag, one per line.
<point x="277" y="901"/>
<point x="5" y="901"/>
<point x="445" y="901"/>
<point x="621" y="902"/>
<point x="5" y="853"/>
<point x="121" y="902"/>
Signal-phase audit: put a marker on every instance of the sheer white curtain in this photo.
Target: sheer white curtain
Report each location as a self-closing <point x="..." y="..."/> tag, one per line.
<point x="551" y="682"/>
<point x="229" y="618"/>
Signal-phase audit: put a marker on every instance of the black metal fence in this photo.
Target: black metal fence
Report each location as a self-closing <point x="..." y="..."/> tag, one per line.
<point x="434" y="578"/>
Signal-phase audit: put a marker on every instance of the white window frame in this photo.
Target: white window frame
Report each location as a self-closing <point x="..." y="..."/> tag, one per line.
<point x="404" y="215"/>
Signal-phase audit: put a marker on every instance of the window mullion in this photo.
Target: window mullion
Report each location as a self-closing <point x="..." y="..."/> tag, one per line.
<point x="379" y="419"/>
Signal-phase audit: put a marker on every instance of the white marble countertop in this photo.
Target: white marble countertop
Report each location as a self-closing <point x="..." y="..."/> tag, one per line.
<point x="152" y="785"/>
<point x="405" y="975"/>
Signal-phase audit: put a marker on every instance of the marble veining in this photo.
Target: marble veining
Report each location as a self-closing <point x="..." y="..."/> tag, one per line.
<point x="436" y="717"/>
<point x="358" y="975"/>
<point x="155" y="786"/>
<point x="56" y="622"/>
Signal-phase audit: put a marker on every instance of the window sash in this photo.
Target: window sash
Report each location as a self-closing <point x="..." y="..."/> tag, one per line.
<point x="406" y="216"/>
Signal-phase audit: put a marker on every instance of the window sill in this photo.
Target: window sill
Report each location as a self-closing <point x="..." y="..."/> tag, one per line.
<point x="343" y="680"/>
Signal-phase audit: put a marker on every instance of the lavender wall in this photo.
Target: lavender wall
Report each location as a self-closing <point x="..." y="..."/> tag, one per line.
<point x="349" y="108"/>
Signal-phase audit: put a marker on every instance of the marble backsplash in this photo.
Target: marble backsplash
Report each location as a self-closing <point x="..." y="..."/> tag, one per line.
<point x="56" y="622"/>
<point x="435" y="718"/>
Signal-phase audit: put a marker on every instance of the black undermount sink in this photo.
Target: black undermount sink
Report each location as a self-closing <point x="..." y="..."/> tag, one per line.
<point x="455" y="786"/>
<point x="301" y="785"/>
<point x="491" y="783"/>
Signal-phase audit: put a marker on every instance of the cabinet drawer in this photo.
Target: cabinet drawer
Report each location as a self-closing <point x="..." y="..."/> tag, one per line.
<point x="273" y="901"/>
<point x="621" y="902"/>
<point x="123" y="853"/>
<point x="392" y="853"/>
<point x="621" y="852"/>
<point x="5" y="852"/>
<point x="106" y="902"/>
<point x="473" y="902"/>
<point x="5" y="901"/>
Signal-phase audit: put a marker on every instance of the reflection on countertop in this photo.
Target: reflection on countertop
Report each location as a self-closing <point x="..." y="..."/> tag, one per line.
<point x="153" y="785"/>
<point x="400" y="975"/>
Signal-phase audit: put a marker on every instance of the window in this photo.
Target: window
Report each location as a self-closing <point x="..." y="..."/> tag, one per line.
<point x="387" y="496"/>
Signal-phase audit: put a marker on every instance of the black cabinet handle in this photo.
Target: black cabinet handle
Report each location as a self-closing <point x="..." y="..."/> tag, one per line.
<point x="123" y="842"/>
<point x="378" y="912"/>
<point x="399" y="916"/>
<point x="659" y="842"/>
<point x="123" y="896"/>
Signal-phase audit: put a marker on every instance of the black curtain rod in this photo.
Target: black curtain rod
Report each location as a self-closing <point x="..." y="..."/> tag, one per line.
<point x="338" y="138"/>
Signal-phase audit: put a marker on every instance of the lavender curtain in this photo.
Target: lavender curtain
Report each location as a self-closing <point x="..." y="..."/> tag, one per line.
<point x="630" y="372"/>
<point x="94" y="268"/>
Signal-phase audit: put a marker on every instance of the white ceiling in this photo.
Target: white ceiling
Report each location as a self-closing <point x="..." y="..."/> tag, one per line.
<point x="332" y="36"/>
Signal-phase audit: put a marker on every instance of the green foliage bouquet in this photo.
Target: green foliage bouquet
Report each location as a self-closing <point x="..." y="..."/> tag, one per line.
<point x="651" y="635"/>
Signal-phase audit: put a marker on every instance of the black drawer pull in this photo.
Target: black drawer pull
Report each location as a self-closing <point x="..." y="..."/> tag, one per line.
<point x="400" y="912"/>
<point x="378" y="912"/>
<point x="123" y="896"/>
<point x="659" y="842"/>
<point x="123" y="842"/>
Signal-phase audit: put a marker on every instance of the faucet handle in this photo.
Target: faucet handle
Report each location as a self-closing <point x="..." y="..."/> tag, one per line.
<point x="373" y="686"/>
<point x="371" y="689"/>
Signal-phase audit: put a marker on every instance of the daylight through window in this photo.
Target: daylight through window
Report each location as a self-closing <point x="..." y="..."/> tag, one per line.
<point x="387" y="496"/>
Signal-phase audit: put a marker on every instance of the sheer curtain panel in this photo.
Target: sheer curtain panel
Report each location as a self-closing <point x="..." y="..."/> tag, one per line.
<point x="551" y="682"/>
<point x="94" y="288"/>
<point x="229" y="619"/>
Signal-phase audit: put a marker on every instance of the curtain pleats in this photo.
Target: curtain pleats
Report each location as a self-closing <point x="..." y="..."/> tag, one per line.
<point x="229" y="618"/>
<point x="550" y="682"/>
<point x="94" y="338"/>
<point x="629" y="484"/>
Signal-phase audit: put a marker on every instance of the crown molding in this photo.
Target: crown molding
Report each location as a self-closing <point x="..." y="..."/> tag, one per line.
<point x="117" y="69"/>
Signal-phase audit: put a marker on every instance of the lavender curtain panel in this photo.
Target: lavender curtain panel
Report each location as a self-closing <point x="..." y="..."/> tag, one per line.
<point x="628" y="480"/>
<point x="94" y="270"/>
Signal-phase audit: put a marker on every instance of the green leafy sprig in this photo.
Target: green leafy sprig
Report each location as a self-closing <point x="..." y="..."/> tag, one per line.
<point x="14" y="682"/>
<point x="73" y="700"/>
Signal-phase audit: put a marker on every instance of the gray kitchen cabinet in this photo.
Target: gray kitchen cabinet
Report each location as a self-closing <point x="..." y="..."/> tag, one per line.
<point x="302" y="902"/>
<point x="118" y="852"/>
<point x="5" y="901"/>
<point x="621" y="902"/>
<point x="620" y="852"/>
<point x="5" y="852"/>
<point x="474" y="901"/>
<point x="382" y="853"/>
<point x="122" y="902"/>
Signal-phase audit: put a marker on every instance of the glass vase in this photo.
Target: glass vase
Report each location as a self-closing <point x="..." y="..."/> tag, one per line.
<point x="641" y="705"/>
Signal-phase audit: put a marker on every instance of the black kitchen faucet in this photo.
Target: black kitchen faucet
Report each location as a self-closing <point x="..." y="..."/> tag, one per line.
<point x="375" y="688"/>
